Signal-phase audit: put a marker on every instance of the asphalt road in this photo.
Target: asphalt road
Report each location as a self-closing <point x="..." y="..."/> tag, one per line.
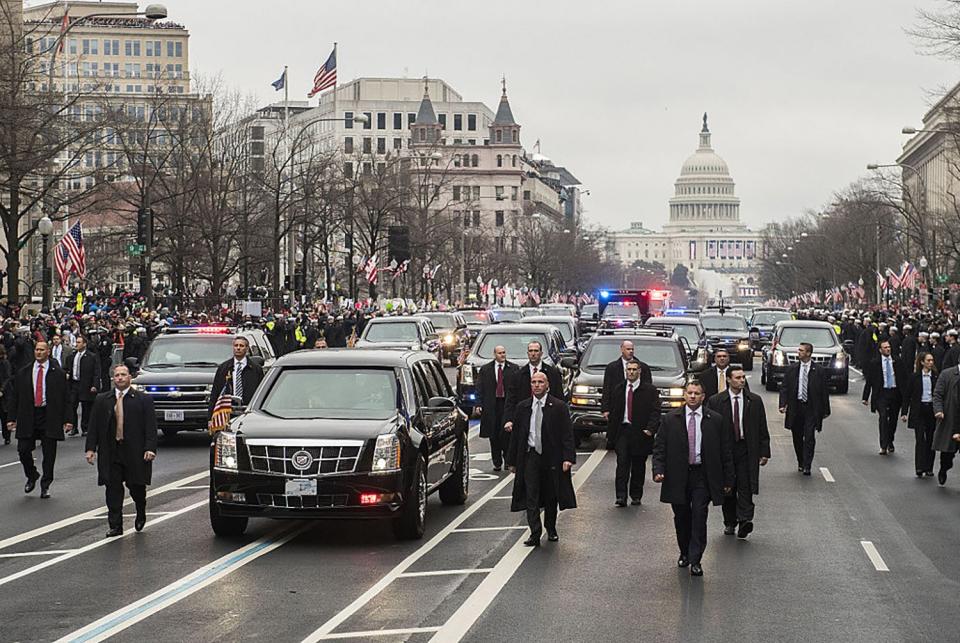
<point x="861" y="551"/>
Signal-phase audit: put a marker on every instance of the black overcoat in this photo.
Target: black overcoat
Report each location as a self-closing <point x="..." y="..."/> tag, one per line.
<point x="521" y="386"/>
<point x="913" y="393"/>
<point x="487" y="396"/>
<point x="20" y="404"/>
<point x="671" y="456"/>
<point x="89" y="374"/>
<point x="139" y="435"/>
<point x="646" y="417"/>
<point x="613" y="374"/>
<point x="558" y="446"/>
<point x="873" y="381"/>
<point x="818" y="396"/>
<point x="252" y="376"/>
<point x="754" y="429"/>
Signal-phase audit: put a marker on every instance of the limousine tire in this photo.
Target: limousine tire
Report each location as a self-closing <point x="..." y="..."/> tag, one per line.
<point x="453" y="490"/>
<point x="225" y="526"/>
<point x="410" y="524"/>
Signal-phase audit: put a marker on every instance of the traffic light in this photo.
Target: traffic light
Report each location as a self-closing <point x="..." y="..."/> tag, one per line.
<point x="398" y="240"/>
<point x="145" y="226"/>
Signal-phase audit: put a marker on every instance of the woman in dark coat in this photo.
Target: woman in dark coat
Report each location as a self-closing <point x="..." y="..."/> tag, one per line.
<point x="917" y="411"/>
<point x="6" y="373"/>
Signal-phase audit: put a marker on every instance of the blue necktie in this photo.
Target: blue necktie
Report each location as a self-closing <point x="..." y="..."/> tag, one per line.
<point x="887" y="373"/>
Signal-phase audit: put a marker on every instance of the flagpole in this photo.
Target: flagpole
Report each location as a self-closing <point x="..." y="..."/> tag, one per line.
<point x="286" y="98"/>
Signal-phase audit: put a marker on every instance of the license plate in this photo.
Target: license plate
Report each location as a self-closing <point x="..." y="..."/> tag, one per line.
<point x="173" y="416"/>
<point x="301" y="487"/>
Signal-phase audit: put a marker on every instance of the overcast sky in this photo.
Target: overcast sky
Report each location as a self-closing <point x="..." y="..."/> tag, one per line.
<point x="801" y="94"/>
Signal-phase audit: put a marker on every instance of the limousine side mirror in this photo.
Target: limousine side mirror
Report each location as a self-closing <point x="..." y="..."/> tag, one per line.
<point x="441" y="404"/>
<point x="755" y="333"/>
<point x="570" y="362"/>
<point x="256" y="360"/>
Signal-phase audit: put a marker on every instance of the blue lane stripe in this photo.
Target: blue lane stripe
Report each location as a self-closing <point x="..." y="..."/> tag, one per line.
<point x="126" y="616"/>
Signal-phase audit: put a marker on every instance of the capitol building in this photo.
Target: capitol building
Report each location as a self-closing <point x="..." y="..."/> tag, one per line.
<point x="704" y="233"/>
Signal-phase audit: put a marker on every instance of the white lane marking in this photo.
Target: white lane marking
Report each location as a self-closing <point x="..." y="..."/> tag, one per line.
<point x="9" y="464"/>
<point x="502" y="498"/>
<point x="856" y="370"/>
<point x="874" y="556"/>
<point x="66" y="522"/>
<point x="194" y="486"/>
<point x="477" y="603"/>
<point x="93" y="545"/>
<point x="448" y="572"/>
<point x="49" y="552"/>
<point x="327" y="628"/>
<point x="117" y="621"/>
<point x="826" y="474"/>
<point x="399" y="632"/>
<point x="468" y="529"/>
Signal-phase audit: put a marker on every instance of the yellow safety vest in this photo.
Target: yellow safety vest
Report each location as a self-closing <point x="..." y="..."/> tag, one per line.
<point x="300" y="335"/>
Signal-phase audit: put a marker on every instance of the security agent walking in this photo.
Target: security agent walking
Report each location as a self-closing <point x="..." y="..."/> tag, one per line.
<point x="884" y="379"/>
<point x="746" y="423"/>
<point x="805" y="400"/>
<point x="541" y="455"/>
<point x="494" y="380"/>
<point x="124" y="434"/>
<point x="522" y="386"/>
<point x="917" y="412"/>
<point x="244" y="375"/>
<point x="633" y="423"/>
<point x="946" y="410"/>
<point x="692" y="460"/>
<point x="83" y="375"/>
<point x="38" y="410"/>
<point x="616" y="373"/>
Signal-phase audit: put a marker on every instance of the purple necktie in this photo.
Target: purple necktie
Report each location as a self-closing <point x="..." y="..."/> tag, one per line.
<point x="692" y="437"/>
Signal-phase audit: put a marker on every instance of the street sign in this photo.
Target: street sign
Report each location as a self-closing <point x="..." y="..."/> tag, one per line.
<point x="941" y="279"/>
<point x="136" y="249"/>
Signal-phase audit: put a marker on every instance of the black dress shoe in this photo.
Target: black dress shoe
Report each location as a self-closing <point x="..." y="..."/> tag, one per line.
<point x="497" y="468"/>
<point x="114" y="532"/>
<point x="32" y="484"/>
<point x="942" y="477"/>
<point x="682" y="561"/>
<point x="621" y="502"/>
<point x="636" y="501"/>
<point x="729" y="530"/>
<point x="800" y="469"/>
<point x="882" y="452"/>
<point x="806" y="472"/>
<point x="919" y="474"/>
<point x="44" y="492"/>
<point x="6" y="441"/>
<point x="745" y="528"/>
<point x="553" y="536"/>
<point x="696" y="570"/>
<point x="532" y="541"/>
<point x="140" y="521"/>
<point x="929" y="474"/>
<point x="890" y="449"/>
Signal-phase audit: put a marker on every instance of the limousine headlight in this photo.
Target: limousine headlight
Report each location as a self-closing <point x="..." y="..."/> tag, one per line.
<point x="779" y="358"/>
<point x="466" y="374"/>
<point x="583" y="388"/>
<point x="743" y="345"/>
<point x="225" y="451"/>
<point x="449" y="339"/>
<point x="840" y="361"/>
<point x="386" y="454"/>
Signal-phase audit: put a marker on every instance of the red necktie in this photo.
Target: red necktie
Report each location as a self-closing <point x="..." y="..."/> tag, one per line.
<point x="38" y="389"/>
<point x="736" y="417"/>
<point x="499" y="380"/>
<point x="630" y="404"/>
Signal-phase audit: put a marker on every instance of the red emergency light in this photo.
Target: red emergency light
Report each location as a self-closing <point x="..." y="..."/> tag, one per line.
<point x="370" y="498"/>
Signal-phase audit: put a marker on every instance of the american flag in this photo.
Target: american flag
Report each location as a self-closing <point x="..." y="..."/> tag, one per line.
<point x="222" y="410"/>
<point x="371" y="269"/>
<point x="326" y="76"/>
<point x="69" y="255"/>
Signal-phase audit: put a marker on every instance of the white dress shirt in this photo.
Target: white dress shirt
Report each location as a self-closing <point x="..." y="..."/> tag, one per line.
<point x="46" y="369"/>
<point x="535" y="369"/>
<point x="535" y="430"/>
<point x="58" y="354"/>
<point x="927" y="394"/>
<point x="698" y="412"/>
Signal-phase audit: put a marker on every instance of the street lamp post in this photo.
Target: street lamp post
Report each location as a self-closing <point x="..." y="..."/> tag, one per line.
<point x="45" y="227"/>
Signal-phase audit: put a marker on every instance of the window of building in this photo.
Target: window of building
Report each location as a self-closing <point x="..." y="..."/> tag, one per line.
<point x="398" y="143"/>
<point x="72" y="46"/>
<point x="499" y="160"/>
<point x="514" y="135"/>
<point x="499" y="136"/>
<point x="131" y="47"/>
<point x="476" y="192"/>
<point x="472" y="122"/>
<point x="458" y="122"/>
<point x="501" y="245"/>
<point x="91" y="46"/>
<point x="499" y="192"/>
<point x="513" y="244"/>
<point x="499" y="218"/>
<point x="381" y="168"/>
<point x="514" y="160"/>
<point x="526" y="195"/>
<point x="456" y="193"/>
<point x="381" y="120"/>
<point x="369" y="123"/>
<point x="348" y="120"/>
<point x="348" y="170"/>
<point x="513" y="192"/>
<point x="475" y="160"/>
<point x="381" y="146"/>
<point x="411" y="119"/>
<point x="348" y="145"/>
<point x="476" y="218"/>
<point x="473" y="141"/>
<point x="367" y="169"/>
<point x="174" y="49"/>
<point x="466" y="219"/>
<point x="153" y="48"/>
<point x="367" y="145"/>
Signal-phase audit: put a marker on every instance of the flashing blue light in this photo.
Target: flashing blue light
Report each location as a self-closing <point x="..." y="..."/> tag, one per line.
<point x="472" y="396"/>
<point x="604" y="294"/>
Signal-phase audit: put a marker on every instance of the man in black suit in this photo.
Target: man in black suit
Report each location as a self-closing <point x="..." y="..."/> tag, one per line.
<point x="715" y="379"/>
<point x="83" y="374"/>
<point x="60" y="352"/>
<point x="494" y="380"/>
<point x="692" y="459"/>
<point x="745" y="421"/>
<point x="805" y="400"/>
<point x="541" y="454"/>
<point x="616" y="373"/>
<point x="245" y="376"/>
<point x="38" y="410"/>
<point x="124" y="434"/>
<point x="522" y="385"/>
<point x="884" y="379"/>
<point x="634" y="419"/>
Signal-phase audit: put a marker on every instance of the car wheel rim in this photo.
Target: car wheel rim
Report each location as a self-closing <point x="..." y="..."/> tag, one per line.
<point x="422" y="496"/>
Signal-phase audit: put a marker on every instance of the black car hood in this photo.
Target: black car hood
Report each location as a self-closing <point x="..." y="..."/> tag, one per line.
<point x="256" y="424"/>
<point x="175" y="376"/>
<point x="727" y="334"/>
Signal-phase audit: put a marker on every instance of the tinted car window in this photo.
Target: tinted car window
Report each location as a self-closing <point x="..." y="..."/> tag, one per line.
<point x="332" y="393"/>
<point x="630" y="311"/>
<point x="392" y="332"/>
<point x="506" y="315"/>
<point x="660" y="356"/>
<point x="422" y="370"/>
<point x="725" y="322"/>
<point x="819" y="337"/>
<point x="443" y="320"/>
<point x="769" y="318"/>
<point x="476" y="316"/>
<point x="688" y="331"/>
<point x="515" y="343"/>
<point x="590" y="310"/>
<point x="177" y="350"/>
<point x="443" y="386"/>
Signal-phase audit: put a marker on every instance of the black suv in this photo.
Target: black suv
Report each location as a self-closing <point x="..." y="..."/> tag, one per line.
<point x="452" y="329"/>
<point x="828" y="353"/>
<point x="342" y="433"/>
<point x="661" y="349"/>
<point x="762" y="323"/>
<point x="731" y="333"/>
<point x="691" y="331"/>
<point x="178" y="370"/>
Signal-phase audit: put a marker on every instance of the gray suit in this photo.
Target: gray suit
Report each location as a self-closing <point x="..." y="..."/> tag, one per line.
<point x="946" y="400"/>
